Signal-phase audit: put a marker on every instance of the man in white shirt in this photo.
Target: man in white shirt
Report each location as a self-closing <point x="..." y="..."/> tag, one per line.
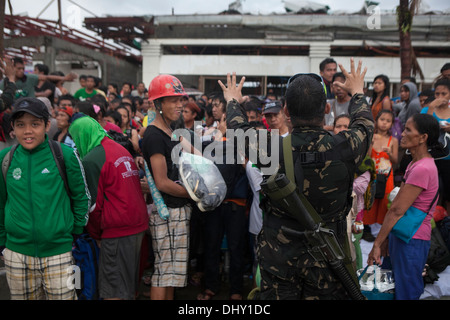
<point x="338" y="105"/>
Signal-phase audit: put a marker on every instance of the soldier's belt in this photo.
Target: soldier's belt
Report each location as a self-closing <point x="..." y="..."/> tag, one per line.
<point x="282" y="218"/>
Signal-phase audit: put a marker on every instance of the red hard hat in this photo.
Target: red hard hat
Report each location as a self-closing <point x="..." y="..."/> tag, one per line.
<point x="165" y="85"/>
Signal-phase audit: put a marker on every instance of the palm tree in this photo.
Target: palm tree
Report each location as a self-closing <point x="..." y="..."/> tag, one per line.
<point x="405" y="13"/>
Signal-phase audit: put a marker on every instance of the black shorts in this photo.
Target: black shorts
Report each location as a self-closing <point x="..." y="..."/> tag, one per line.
<point x="118" y="275"/>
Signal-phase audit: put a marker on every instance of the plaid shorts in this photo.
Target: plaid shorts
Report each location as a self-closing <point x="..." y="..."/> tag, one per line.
<point x="34" y="278"/>
<point x="170" y="240"/>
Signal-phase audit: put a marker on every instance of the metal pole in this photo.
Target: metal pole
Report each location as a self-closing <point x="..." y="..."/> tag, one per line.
<point x="60" y="19"/>
<point x="45" y="8"/>
<point x="2" y="26"/>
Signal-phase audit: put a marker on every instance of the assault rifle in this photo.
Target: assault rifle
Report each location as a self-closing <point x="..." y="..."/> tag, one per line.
<point x="321" y="242"/>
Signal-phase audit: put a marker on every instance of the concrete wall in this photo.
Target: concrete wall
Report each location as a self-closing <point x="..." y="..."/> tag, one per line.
<point x="155" y="62"/>
<point x="208" y="65"/>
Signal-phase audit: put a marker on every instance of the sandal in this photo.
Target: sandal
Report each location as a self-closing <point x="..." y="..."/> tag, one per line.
<point x="206" y="295"/>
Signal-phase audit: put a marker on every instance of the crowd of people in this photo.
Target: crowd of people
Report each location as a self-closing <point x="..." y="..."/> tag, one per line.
<point x="352" y="139"/>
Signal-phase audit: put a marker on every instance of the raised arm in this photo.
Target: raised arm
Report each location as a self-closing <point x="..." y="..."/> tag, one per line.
<point x="235" y="113"/>
<point x="69" y="77"/>
<point x="9" y="87"/>
<point x="361" y="127"/>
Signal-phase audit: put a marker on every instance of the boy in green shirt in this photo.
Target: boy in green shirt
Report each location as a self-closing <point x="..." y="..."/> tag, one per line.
<point x="38" y="217"/>
<point x="88" y="91"/>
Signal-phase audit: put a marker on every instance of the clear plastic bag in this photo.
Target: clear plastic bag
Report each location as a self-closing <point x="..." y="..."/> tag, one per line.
<point x="393" y="193"/>
<point x="203" y="181"/>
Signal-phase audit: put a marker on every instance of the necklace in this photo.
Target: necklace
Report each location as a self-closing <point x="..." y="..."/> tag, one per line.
<point x="170" y="134"/>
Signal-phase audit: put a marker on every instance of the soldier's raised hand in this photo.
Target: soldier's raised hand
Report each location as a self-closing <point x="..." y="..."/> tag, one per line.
<point x="231" y="90"/>
<point x="354" y="81"/>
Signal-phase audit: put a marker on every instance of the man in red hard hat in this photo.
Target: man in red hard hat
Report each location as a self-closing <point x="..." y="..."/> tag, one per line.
<point x="170" y="235"/>
<point x="165" y="85"/>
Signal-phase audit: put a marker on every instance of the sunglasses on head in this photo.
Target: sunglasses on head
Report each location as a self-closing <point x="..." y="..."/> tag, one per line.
<point x="312" y="75"/>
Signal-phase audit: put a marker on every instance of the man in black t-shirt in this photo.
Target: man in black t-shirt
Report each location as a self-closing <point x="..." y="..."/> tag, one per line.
<point x="44" y="88"/>
<point x="170" y="234"/>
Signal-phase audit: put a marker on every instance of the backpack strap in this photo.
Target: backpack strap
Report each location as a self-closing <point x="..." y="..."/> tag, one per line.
<point x="344" y="150"/>
<point x="296" y="176"/>
<point x="288" y="159"/>
<point x="434" y="200"/>
<point x="7" y="161"/>
<point x="56" y="149"/>
<point x="55" y="146"/>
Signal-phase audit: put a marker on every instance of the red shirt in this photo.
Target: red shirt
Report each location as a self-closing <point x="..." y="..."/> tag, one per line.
<point x="111" y="126"/>
<point x="113" y="178"/>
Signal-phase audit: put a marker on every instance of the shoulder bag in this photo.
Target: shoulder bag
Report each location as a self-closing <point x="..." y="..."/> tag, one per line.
<point x="407" y="226"/>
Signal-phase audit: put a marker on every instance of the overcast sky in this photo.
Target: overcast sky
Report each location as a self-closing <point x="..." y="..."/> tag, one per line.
<point x="101" y="8"/>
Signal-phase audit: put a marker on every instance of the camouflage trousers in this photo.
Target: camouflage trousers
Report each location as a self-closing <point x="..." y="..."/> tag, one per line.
<point x="317" y="283"/>
<point x="295" y="277"/>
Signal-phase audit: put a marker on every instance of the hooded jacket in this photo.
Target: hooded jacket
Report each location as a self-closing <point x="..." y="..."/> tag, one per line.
<point x="113" y="179"/>
<point x="412" y="106"/>
<point x="37" y="216"/>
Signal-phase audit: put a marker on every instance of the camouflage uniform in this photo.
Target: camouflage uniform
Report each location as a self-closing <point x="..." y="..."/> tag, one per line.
<point x="288" y="271"/>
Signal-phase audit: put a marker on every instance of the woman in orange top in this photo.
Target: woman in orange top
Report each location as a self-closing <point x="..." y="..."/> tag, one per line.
<point x="384" y="152"/>
<point x="380" y="97"/>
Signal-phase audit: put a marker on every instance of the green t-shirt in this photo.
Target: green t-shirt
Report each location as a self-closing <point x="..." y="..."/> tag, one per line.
<point x="25" y="86"/>
<point x="82" y="95"/>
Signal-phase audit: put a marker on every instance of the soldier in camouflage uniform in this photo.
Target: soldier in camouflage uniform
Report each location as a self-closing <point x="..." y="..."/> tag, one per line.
<point x="288" y="271"/>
